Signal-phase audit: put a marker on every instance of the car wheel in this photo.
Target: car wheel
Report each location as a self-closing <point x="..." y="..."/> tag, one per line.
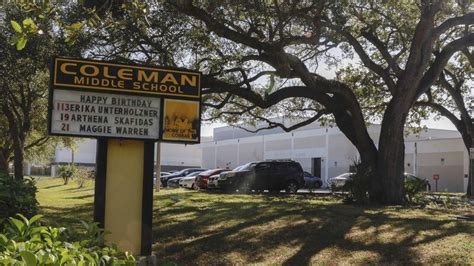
<point x="317" y="185"/>
<point x="193" y="186"/>
<point x="292" y="187"/>
<point x="274" y="190"/>
<point x="244" y="187"/>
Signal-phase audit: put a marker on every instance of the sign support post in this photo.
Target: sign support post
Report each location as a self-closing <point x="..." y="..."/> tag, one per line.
<point x="158" y="166"/>
<point x="124" y="206"/>
<point x="436" y="178"/>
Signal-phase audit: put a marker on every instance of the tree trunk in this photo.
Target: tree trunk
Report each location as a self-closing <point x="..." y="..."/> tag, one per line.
<point x="470" y="181"/>
<point x="357" y="133"/>
<point x="3" y="162"/>
<point x="18" y="160"/>
<point x="391" y="155"/>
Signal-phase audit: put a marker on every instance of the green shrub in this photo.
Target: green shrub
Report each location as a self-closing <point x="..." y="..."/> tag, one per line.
<point x="67" y="172"/>
<point x="357" y="186"/>
<point x="81" y="176"/>
<point x="17" y="196"/>
<point x="26" y="242"/>
<point x="413" y="186"/>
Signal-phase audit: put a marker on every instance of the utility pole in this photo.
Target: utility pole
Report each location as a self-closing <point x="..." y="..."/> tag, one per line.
<point x="470" y="183"/>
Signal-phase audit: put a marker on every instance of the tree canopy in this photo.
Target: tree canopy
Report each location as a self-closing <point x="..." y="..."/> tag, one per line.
<point x="261" y="59"/>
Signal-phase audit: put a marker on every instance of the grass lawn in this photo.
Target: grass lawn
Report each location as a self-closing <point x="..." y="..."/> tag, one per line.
<point x="209" y="228"/>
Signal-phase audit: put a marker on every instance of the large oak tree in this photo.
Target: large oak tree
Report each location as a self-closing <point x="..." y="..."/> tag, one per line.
<point x="407" y="50"/>
<point x="260" y="58"/>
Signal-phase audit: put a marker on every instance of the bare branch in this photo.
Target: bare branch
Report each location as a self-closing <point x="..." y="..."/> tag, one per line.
<point x="392" y="63"/>
<point x="37" y="142"/>
<point x="467" y="19"/>
<point x="273" y="124"/>
<point x="441" y="60"/>
<point x="369" y="63"/>
<point x="187" y="7"/>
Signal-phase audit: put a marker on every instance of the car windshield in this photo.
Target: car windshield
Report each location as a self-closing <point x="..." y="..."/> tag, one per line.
<point x="180" y="172"/>
<point x="346" y="175"/>
<point x="194" y="173"/>
<point x="411" y="177"/>
<point x="244" y="167"/>
<point x="209" y="172"/>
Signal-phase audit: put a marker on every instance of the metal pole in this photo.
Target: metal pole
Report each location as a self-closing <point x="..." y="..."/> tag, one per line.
<point x="471" y="176"/>
<point x="415" y="167"/>
<point x="158" y="166"/>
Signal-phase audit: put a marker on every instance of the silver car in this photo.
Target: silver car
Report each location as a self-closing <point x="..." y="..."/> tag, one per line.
<point x="340" y="180"/>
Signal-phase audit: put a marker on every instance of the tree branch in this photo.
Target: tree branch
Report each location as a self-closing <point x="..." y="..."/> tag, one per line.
<point x="364" y="57"/>
<point x="383" y="50"/>
<point x="467" y="19"/>
<point x="273" y="124"/>
<point x="441" y="60"/>
<point x="187" y="7"/>
<point x="37" y="142"/>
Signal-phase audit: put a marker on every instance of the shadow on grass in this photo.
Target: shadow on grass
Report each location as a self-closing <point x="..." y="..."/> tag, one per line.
<point x="214" y="228"/>
<point x="52" y="186"/>
<point x="68" y="216"/>
<point x="82" y="197"/>
<point x="194" y="229"/>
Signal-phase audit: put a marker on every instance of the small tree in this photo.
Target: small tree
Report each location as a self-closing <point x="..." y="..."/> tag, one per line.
<point x="67" y="172"/>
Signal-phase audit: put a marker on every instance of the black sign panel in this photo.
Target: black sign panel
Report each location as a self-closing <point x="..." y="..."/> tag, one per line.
<point x="106" y="76"/>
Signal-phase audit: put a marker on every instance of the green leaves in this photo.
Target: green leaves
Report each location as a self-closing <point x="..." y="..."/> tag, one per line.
<point x="16" y="26"/>
<point x="28" y="257"/>
<point x="25" y="243"/>
<point x="23" y="32"/>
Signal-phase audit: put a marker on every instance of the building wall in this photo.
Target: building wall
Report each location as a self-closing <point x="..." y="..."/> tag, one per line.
<point x="173" y="156"/>
<point x="337" y="153"/>
<point x="341" y="153"/>
<point x="444" y="157"/>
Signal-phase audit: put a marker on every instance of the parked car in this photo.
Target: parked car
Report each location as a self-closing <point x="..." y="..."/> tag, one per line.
<point x="174" y="182"/>
<point x="189" y="180"/>
<point x="203" y="178"/>
<point x="412" y="183"/>
<point x="182" y="173"/>
<point x="161" y="174"/>
<point x="212" y="183"/>
<point x="340" y="180"/>
<point x="272" y="175"/>
<point x="311" y="181"/>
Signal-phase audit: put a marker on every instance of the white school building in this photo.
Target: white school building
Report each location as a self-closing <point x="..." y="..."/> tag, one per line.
<point x="322" y="151"/>
<point x="326" y="152"/>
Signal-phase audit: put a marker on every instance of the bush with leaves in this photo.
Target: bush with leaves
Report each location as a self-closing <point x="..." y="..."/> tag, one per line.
<point x="67" y="172"/>
<point x="82" y="175"/>
<point x="26" y="242"/>
<point x="17" y="196"/>
<point x="357" y="185"/>
<point x="414" y="186"/>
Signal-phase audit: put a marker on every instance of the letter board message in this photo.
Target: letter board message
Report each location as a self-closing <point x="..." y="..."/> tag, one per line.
<point x="101" y="99"/>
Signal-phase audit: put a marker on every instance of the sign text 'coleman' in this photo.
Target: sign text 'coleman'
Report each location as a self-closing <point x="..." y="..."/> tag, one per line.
<point x="125" y="78"/>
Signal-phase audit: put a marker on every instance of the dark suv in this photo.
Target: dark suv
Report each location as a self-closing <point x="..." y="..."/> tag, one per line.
<point x="272" y="175"/>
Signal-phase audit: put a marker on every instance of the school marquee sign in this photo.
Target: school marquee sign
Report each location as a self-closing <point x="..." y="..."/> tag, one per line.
<point x="91" y="98"/>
